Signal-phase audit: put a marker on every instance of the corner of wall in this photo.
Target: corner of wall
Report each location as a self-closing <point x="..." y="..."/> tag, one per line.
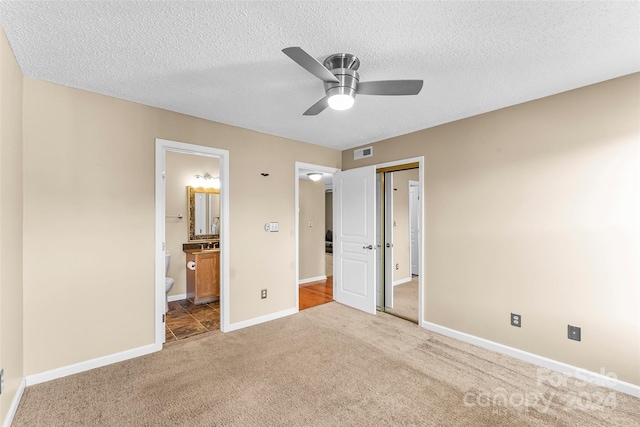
<point x="11" y="238"/>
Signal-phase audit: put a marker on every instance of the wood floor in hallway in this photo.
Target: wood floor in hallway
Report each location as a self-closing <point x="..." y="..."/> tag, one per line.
<point x="316" y="293"/>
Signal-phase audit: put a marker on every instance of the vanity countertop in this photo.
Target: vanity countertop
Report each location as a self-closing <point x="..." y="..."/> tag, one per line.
<point x="201" y="251"/>
<point x="193" y="247"/>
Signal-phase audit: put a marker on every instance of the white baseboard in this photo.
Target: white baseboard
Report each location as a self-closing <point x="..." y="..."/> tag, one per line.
<point x="14" y="404"/>
<point x="91" y="364"/>
<point x="311" y="279"/>
<point x="401" y="281"/>
<point x="261" y="319"/>
<point x="178" y="297"/>
<point x="554" y="365"/>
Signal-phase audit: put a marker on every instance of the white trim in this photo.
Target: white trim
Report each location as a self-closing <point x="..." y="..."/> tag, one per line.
<point x="311" y="279"/>
<point x="90" y="364"/>
<point x="401" y="281"/>
<point x="261" y="319"/>
<point x="162" y="146"/>
<point x="14" y="404"/>
<point x="178" y="297"/>
<point x="296" y="225"/>
<point x="554" y="365"/>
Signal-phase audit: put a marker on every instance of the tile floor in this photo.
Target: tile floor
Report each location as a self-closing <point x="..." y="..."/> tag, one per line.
<point x="185" y="320"/>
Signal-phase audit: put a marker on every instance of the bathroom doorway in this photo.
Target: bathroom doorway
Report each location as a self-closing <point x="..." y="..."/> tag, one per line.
<point x="185" y="319"/>
<point x="172" y="216"/>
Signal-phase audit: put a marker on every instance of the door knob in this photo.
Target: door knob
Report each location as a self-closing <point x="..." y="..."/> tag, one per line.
<point x="368" y="247"/>
<point x="389" y="245"/>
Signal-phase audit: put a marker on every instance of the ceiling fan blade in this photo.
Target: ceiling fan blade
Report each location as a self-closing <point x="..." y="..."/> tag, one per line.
<point x="390" y="87"/>
<point x="310" y="64"/>
<point x="317" y="108"/>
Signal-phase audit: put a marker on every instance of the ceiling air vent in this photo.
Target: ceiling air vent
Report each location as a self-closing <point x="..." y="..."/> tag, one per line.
<point x="361" y="153"/>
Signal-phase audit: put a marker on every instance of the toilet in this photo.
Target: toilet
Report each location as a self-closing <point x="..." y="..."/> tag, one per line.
<point x="168" y="281"/>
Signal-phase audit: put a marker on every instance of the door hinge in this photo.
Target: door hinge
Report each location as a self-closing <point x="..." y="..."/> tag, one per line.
<point x="163" y="318"/>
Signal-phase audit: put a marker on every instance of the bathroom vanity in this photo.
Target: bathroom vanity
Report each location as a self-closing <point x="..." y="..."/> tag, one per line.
<point x="203" y="282"/>
<point x="203" y="249"/>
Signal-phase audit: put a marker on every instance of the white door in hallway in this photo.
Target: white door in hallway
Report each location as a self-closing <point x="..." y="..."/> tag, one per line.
<point x="354" y="217"/>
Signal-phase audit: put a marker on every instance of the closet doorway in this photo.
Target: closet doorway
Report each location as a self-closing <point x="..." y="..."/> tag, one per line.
<point x="399" y="213"/>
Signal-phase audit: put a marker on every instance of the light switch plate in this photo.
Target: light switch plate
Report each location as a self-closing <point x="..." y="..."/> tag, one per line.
<point x="272" y="227"/>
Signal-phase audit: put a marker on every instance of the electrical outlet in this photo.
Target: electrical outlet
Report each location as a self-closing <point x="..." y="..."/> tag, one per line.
<point x="263" y="294"/>
<point x="1" y="381"/>
<point x="573" y="332"/>
<point x="516" y="320"/>
<point x="397" y="266"/>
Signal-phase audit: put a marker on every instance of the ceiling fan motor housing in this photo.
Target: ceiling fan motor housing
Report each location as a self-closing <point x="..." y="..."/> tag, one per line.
<point x="343" y="66"/>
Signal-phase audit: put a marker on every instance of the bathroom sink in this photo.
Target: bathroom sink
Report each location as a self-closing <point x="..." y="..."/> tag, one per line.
<point x="206" y="251"/>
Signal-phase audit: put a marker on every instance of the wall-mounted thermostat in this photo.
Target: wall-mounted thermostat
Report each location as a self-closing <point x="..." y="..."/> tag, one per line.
<point x="272" y="227"/>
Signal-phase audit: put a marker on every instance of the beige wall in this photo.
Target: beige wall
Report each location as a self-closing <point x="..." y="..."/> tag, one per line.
<point x="11" y="324"/>
<point x="534" y="209"/>
<point x="311" y="238"/>
<point x="89" y="220"/>
<point x="180" y="171"/>
<point x="401" y="238"/>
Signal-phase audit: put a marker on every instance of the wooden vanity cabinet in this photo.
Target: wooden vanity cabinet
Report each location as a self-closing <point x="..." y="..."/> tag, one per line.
<point x="203" y="283"/>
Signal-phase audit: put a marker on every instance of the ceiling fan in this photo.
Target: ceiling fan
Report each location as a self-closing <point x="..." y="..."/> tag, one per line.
<point x="342" y="81"/>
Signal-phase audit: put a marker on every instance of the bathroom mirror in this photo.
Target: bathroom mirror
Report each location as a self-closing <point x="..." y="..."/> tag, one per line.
<point x="204" y="213"/>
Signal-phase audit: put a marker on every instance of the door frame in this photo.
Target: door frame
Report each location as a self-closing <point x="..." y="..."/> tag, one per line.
<point x="299" y="166"/>
<point x="161" y="148"/>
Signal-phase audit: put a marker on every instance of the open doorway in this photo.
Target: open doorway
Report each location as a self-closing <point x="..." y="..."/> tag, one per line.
<point x="314" y="229"/>
<point x="192" y="205"/>
<point x="163" y="215"/>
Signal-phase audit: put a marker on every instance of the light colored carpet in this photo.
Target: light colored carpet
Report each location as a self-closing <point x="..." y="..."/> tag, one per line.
<point x="405" y="300"/>
<point x="326" y="366"/>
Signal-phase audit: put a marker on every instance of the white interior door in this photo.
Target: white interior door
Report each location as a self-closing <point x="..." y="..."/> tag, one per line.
<point x="354" y="217"/>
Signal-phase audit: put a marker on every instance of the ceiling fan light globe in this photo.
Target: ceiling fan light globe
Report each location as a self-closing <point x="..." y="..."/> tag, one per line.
<point x="340" y="102"/>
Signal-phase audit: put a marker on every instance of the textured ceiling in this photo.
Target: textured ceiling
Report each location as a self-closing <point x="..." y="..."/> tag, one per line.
<point x="222" y="61"/>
